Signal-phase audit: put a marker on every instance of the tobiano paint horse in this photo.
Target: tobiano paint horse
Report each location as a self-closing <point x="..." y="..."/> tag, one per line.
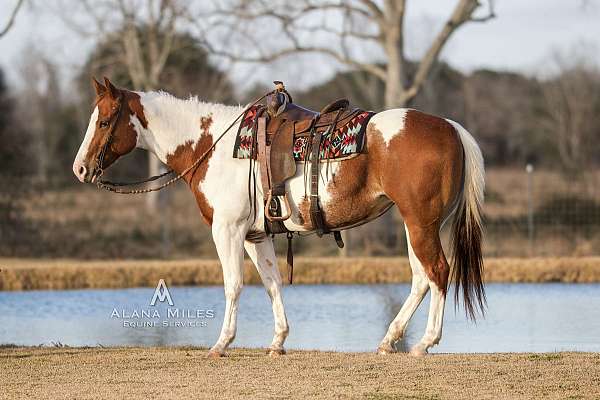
<point x="429" y="167"/>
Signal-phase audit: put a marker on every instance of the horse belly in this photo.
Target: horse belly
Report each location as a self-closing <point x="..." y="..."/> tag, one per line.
<point x="348" y="195"/>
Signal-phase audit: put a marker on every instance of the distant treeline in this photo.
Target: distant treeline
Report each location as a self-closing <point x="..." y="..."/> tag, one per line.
<point x="553" y="123"/>
<point x="517" y="119"/>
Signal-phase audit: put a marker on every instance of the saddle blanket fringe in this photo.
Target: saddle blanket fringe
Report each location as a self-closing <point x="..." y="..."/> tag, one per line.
<point x="344" y="142"/>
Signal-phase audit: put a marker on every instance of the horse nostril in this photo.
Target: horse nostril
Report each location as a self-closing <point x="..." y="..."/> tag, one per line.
<point x="82" y="171"/>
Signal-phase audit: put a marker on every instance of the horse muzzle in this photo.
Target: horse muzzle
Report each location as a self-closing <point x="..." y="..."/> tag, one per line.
<point x="85" y="174"/>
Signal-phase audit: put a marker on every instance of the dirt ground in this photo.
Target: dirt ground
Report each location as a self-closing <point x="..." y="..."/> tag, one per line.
<point x="113" y="373"/>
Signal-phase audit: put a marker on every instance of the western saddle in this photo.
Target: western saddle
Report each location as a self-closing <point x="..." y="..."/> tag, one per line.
<point x="278" y="127"/>
<point x="279" y="124"/>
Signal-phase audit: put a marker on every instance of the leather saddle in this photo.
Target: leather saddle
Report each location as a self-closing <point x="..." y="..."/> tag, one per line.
<point x="278" y="128"/>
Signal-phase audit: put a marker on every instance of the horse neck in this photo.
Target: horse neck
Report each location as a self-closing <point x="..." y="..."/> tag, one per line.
<point x="173" y="123"/>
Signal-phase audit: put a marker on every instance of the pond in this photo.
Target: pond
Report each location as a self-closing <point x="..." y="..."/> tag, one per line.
<point x="520" y="318"/>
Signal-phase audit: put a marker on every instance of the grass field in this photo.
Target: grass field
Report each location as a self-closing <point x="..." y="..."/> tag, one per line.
<point x="24" y="274"/>
<point x="112" y="373"/>
<point x="79" y="221"/>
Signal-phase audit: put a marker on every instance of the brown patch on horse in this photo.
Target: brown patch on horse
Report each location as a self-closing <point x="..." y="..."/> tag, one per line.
<point x="205" y="123"/>
<point x="136" y="108"/>
<point x="304" y="213"/>
<point x="422" y="174"/>
<point x="356" y="196"/>
<point x="182" y="158"/>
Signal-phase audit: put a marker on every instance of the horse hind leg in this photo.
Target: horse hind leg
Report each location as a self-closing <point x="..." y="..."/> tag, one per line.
<point x="428" y="249"/>
<point x="419" y="287"/>
<point x="263" y="257"/>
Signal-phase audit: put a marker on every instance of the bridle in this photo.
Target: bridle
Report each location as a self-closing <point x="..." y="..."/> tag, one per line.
<point x="98" y="171"/>
<point x="115" y="186"/>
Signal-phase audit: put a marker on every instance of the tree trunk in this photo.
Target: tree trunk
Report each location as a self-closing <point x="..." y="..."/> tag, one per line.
<point x="395" y="79"/>
<point x="393" y="87"/>
<point x="154" y="168"/>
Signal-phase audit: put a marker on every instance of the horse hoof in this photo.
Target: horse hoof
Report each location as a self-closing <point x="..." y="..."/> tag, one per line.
<point x="276" y="352"/>
<point x="418" y="351"/>
<point x="385" y="350"/>
<point x="215" y="354"/>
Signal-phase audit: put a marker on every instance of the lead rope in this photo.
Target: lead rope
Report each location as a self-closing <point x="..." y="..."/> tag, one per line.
<point x="112" y="186"/>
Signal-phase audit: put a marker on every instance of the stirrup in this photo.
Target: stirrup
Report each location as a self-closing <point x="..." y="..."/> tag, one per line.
<point x="274" y="217"/>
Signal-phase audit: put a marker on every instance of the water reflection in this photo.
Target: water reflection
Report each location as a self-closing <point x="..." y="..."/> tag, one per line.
<point x="521" y="317"/>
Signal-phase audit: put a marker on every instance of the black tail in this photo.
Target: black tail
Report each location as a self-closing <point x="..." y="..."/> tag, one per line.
<point x="467" y="270"/>
<point x="466" y="230"/>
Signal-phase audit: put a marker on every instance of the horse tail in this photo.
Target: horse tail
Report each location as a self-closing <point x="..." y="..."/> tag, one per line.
<point x="467" y="259"/>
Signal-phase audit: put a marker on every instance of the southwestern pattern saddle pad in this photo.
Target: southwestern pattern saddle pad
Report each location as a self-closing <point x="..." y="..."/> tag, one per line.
<point x="345" y="142"/>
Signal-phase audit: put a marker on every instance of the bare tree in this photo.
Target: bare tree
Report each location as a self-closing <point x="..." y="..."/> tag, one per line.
<point x="144" y="30"/>
<point x="572" y="104"/>
<point x="41" y="98"/>
<point x="11" y="19"/>
<point x="343" y="27"/>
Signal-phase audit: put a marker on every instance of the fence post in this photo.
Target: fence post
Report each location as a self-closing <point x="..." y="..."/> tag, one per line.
<point x="530" y="222"/>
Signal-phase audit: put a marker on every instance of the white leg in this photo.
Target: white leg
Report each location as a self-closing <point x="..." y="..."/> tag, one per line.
<point x="229" y="239"/>
<point x="263" y="256"/>
<point x="420" y="284"/>
<point x="433" y="333"/>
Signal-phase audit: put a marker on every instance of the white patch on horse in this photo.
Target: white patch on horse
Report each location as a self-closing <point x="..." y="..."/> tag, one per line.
<point x="89" y="135"/>
<point x="173" y="122"/>
<point x="225" y="184"/>
<point x="140" y="132"/>
<point x="390" y="123"/>
<point x="299" y="186"/>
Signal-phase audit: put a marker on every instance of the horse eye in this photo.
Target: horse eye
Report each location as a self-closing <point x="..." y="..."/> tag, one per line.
<point x="103" y="124"/>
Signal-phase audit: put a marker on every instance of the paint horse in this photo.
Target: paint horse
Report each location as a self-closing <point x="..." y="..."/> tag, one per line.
<point x="429" y="167"/>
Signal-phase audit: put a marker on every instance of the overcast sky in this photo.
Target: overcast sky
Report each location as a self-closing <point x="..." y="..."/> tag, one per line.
<point x="522" y="37"/>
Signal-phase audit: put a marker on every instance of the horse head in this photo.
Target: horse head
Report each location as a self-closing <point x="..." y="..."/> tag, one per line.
<point x="110" y="133"/>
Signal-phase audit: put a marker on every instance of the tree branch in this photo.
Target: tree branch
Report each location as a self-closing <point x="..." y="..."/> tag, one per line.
<point x="491" y="14"/>
<point x="251" y="12"/>
<point x="371" y="68"/>
<point x="462" y="13"/>
<point x="11" y="19"/>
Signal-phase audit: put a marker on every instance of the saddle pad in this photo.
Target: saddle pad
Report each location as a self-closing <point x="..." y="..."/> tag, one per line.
<point x="344" y="142"/>
<point x="244" y="142"/>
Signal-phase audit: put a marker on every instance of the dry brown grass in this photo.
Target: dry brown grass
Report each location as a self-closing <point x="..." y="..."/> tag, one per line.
<point x="507" y="189"/>
<point x="23" y="274"/>
<point x="143" y="373"/>
<point x="82" y="222"/>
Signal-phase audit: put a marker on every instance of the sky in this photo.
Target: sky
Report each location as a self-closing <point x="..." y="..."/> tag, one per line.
<point x="523" y="37"/>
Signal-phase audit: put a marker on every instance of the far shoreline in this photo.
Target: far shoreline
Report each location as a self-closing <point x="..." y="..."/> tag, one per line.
<point x="39" y="274"/>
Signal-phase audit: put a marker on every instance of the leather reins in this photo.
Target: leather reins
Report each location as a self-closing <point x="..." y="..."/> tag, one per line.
<point x="114" y="186"/>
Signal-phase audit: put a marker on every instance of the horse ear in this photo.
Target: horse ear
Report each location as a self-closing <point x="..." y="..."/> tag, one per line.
<point x="112" y="89"/>
<point x="100" y="89"/>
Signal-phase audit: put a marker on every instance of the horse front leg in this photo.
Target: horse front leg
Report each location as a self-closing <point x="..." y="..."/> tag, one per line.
<point x="229" y="241"/>
<point x="263" y="257"/>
